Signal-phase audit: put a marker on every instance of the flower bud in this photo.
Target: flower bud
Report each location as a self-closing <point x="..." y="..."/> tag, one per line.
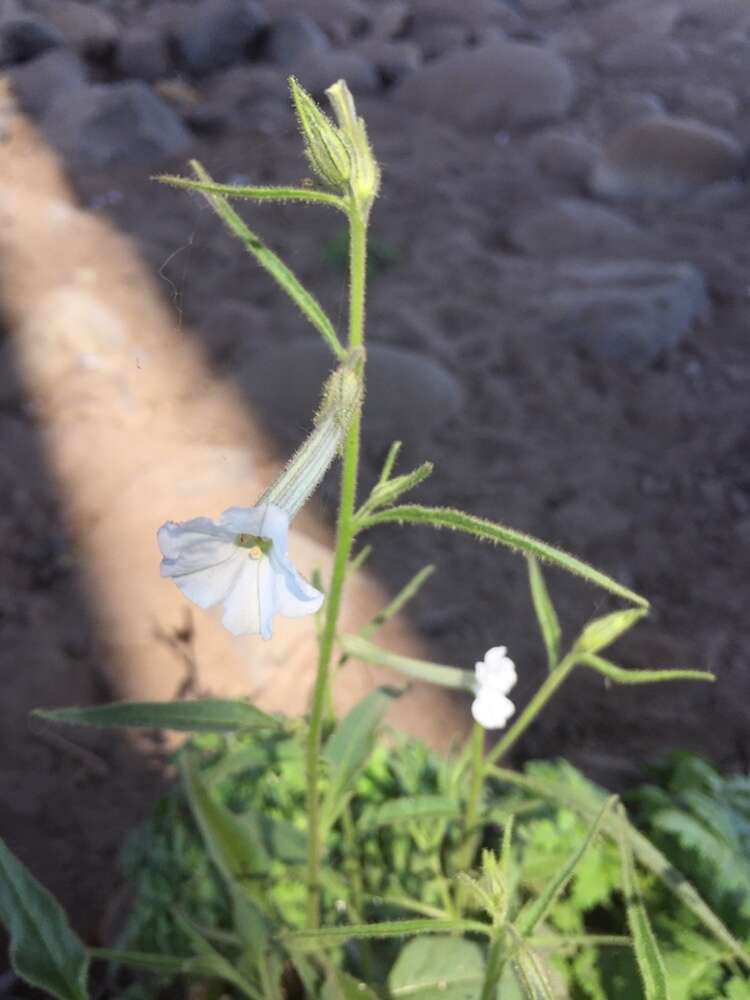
<point x="365" y="172"/>
<point x="326" y="149"/>
<point x="341" y="397"/>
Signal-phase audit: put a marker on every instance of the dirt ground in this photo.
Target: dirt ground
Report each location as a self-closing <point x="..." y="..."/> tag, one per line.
<point x="645" y="473"/>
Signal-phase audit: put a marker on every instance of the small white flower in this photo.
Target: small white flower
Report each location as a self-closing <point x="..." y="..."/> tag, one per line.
<point x="495" y="676"/>
<point x="240" y="561"/>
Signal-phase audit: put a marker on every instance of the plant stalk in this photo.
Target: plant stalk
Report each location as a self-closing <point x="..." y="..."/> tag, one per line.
<point x="344" y="539"/>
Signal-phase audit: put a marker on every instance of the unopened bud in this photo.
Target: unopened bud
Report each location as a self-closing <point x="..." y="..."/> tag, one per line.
<point x="365" y="172"/>
<point x="325" y="148"/>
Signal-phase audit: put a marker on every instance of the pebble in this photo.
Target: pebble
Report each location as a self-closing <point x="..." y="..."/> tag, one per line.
<point x="24" y="38"/>
<point x="317" y="70"/>
<point x="618" y="20"/>
<point x="566" y="155"/>
<point x="217" y="33"/>
<point x="665" y="158"/>
<point x="40" y="81"/>
<point x="291" y="37"/>
<point x="621" y="109"/>
<point x="499" y="85"/>
<point x="142" y="55"/>
<point x="578" y="228"/>
<point x="642" y="53"/>
<point x="84" y="27"/>
<point x="122" y="122"/>
<point x="629" y="312"/>
<point x="708" y="103"/>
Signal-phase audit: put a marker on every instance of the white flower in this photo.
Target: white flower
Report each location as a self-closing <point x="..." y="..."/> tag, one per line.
<point x="240" y="561"/>
<point x="495" y="676"/>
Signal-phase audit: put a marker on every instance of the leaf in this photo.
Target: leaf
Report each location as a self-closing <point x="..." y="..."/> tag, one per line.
<point x="648" y="956"/>
<point x="231" y="844"/>
<point x="536" y="911"/>
<point x="309" y="940"/>
<point x="445" y="967"/>
<point x="348" y="748"/>
<point x="421" y="670"/>
<point x="212" y="959"/>
<point x="44" y="950"/>
<point x="257" y="193"/>
<point x="273" y="264"/>
<point x="164" y="965"/>
<point x="409" y="809"/>
<point x="209" y="715"/>
<point x="602" y="632"/>
<point x="546" y="615"/>
<point x="583" y="801"/>
<point x="457" y="520"/>
<point x="622" y="676"/>
<point x="532" y="975"/>
<point x="341" y="986"/>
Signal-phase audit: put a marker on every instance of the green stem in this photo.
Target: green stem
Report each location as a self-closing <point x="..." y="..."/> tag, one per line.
<point x="534" y="707"/>
<point x="344" y="539"/>
<point x="467" y="850"/>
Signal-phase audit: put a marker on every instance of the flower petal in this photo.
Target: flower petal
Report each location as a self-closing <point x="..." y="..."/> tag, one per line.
<point x="492" y="710"/>
<point x="191" y="545"/>
<point x="497" y="674"/>
<point x="248" y="608"/>
<point x="294" y="596"/>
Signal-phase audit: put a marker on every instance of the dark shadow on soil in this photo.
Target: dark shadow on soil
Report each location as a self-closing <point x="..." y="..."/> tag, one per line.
<point x="68" y="796"/>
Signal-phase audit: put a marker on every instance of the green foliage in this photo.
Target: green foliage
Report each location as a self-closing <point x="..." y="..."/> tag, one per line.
<point x="44" y="949"/>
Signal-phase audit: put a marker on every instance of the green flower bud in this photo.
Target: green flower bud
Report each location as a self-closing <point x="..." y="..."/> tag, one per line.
<point x="365" y="172"/>
<point x="326" y="149"/>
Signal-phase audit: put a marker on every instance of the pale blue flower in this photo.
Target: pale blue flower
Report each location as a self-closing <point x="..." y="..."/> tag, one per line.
<point x="242" y="562"/>
<point x="495" y="676"/>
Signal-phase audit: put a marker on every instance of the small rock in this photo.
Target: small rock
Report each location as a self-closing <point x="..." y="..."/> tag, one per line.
<point x="569" y="156"/>
<point x="436" y="39"/>
<point x="218" y="33"/>
<point x="142" y="55"/>
<point x="627" y="312"/>
<point x="472" y="14"/>
<point x="41" y="81"/>
<point x="409" y="396"/>
<point x="291" y="37"/>
<point x="643" y="53"/>
<point x="665" y="158"/>
<point x="25" y="38"/>
<point x="715" y="15"/>
<point x="241" y="88"/>
<point x="392" y="60"/>
<point x="708" y="103"/>
<point x="232" y="329"/>
<point x="622" y="109"/>
<point x="389" y="20"/>
<point x="317" y="70"/>
<point x="122" y="122"/>
<point x="543" y="6"/>
<point x="578" y="228"/>
<point x="85" y="27"/>
<point x="341" y="20"/>
<point x="619" y="20"/>
<point x="499" y="85"/>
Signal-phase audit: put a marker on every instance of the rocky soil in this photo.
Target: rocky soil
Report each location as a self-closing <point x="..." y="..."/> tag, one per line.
<point x="558" y="307"/>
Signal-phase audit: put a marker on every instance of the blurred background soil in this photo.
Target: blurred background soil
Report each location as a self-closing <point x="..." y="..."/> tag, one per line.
<point x="557" y="319"/>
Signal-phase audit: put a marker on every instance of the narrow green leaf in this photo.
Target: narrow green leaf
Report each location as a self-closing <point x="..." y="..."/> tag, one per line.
<point x="390" y="461"/>
<point x="456" y="520"/>
<point x="407" y="592"/>
<point x="646" y="853"/>
<point x="385" y="493"/>
<point x="231" y="843"/>
<point x="649" y="959"/>
<point x="421" y="670"/>
<point x="213" y="959"/>
<point x="44" y="950"/>
<point x="273" y="264"/>
<point x="444" y="967"/>
<point x="348" y="749"/>
<point x="533" y="914"/>
<point x="602" y="632"/>
<point x="331" y="936"/>
<point x="261" y="194"/>
<point x="164" y="965"/>
<point x="210" y="715"/>
<point x="622" y="676"/>
<point x="408" y="810"/>
<point x="531" y="975"/>
<point x="546" y="615"/>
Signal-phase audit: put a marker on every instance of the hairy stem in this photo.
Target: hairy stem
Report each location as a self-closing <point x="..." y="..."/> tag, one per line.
<point x="344" y="539"/>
